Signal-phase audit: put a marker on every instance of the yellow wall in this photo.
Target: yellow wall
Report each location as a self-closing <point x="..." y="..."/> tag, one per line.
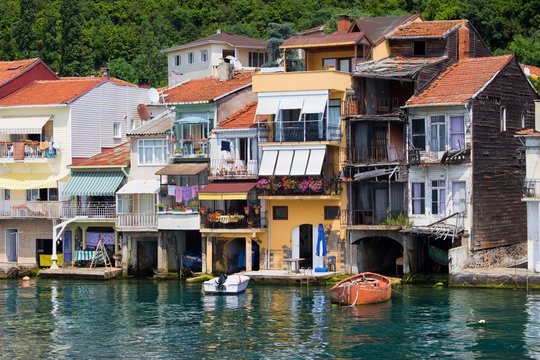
<point x="381" y="51"/>
<point x="315" y="59"/>
<point x="297" y="81"/>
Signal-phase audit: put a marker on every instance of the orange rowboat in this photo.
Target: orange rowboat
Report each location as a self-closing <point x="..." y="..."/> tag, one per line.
<point x="365" y="288"/>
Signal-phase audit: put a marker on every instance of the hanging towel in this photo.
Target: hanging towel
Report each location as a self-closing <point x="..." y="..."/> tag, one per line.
<point x="171" y="190"/>
<point x="43" y="146"/>
<point x="225" y="146"/>
<point x="194" y="191"/>
<point x="178" y="193"/>
<point x="186" y="193"/>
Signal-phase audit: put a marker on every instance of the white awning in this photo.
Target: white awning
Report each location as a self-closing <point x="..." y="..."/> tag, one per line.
<point x="309" y="101"/>
<point x="140" y="187"/>
<point x="23" y="124"/>
<point x="292" y="160"/>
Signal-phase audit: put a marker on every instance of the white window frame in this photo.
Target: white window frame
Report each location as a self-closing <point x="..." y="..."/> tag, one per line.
<point x="117" y="130"/>
<point x="441" y="196"/>
<point x="203" y="56"/>
<point x="125" y="198"/>
<point x="190" y="58"/>
<point x="30" y="194"/>
<point x="437" y="125"/>
<point x="413" y="198"/>
<point x="462" y="200"/>
<point x="503" y="118"/>
<point x="141" y="147"/>
<point x="177" y="60"/>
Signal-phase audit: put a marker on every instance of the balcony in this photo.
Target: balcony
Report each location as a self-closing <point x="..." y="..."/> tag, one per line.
<point x="352" y="106"/>
<point x="218" y="220"/>
<point x="305" y="186"/>
<point x="306" y="130"/>
<point x="233" y="169"/>
<point x="194" y="148"/>
<point x="30" y="209"/>
<point x="372" y="218"/>
<point x="136" y="222"/>
<point x="301" y="81"/>
<point x="370" y="155"/>
<point x="92" y="210"/>
<point x="28" y="151"/>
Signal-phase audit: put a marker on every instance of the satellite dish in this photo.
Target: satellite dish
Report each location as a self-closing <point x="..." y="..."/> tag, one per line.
<point x="236" y="63"/>
<point x="153" y="95"/>
<point x="143" y="111"/>
<point x="527" y="71"/>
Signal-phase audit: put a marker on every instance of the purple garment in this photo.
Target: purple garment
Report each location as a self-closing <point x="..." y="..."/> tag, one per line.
<point x="194" y="191"/>
<point x="178" y="194"/>
<point x="186" y="193"/>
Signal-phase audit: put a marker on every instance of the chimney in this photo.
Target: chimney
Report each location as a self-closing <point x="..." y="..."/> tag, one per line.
<point x="463" y="41"/>
<point x="105" y="73"/>
<point x="343" y="23"/>
<point x="225" y="71"/>
<point x="537" y="115"/>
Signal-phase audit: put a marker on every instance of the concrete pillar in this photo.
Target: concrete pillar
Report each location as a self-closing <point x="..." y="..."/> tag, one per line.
<point x="163" y="257"/>
<point x="73" y="249"/>
<point x="209" y="243"/>
<point x="410" y="264"/>
<point x="125" y="254"/>
<point x="203" y="254"/>
<point x="249" y="266"/>
<point x="83" y="234"/>
<point x="115" y="241"/>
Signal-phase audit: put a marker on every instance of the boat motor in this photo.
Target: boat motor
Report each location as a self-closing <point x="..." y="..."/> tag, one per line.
<point x="221" y="281"/>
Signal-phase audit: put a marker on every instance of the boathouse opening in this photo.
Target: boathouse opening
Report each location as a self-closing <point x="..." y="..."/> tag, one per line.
<point x="378" y="254"/>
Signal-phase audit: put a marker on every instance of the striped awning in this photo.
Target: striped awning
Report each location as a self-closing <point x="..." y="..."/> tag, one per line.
<point x="19" y="181"/>
<point x="93" y="183"/>
<point x="23" y="124"/>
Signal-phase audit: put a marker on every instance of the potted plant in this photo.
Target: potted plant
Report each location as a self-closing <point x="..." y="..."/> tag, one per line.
<point x="230" y="161"/>
<point x="263" y="184"/>
<point x="178" y="208"/>
<point x="257" y="209"/>
<point x="161" y="206"/>
<point x="249" y="224"/>
<point x="246" y="210"/>
<point x="202" y="209"/>
<point x="195" y="205"/>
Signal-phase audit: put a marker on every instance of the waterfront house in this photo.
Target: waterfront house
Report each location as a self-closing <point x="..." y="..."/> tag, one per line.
<point x="46" y="126"/>
<point x="201" y="57"/>
<point x="464" y="181"/>
<point x="530" y="139"/>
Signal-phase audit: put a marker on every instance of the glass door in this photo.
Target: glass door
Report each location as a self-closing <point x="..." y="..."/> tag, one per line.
<point x="12" y="244"/>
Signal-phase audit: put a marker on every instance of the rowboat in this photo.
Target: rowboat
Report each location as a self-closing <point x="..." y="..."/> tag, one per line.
<point x="224" y="284"/>
<point x="364" y="288"/>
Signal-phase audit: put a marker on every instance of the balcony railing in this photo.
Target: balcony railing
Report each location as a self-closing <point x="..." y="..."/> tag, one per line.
<point x="189" y="148"/>
<point x="30" y="209"/>
<point x="300" y="186"/>
<point x="366" y="217"/>
<point x="233" y="168"/>
<point x="308" y="130"/>
<point x="354" y="106"/>
<point x="94" y="210"/>
<point x="31" y="151"/>
<point x="235" y="221"/>
<point x="382" y="154"/>
<point x="134" y="220"/>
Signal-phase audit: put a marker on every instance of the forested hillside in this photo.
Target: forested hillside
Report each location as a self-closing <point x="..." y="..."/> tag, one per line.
<point x="77" y="37"/>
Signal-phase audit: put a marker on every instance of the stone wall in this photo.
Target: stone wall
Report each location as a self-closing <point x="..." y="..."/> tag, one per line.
<point x="29" y="231"/>
<point x="502" y="256"/>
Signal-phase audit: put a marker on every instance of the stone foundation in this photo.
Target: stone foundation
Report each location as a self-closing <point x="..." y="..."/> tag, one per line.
<point x="502" y="256"/>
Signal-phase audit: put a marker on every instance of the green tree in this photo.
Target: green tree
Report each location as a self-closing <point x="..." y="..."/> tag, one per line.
<point x="277" y="34"/>
<point x="121" y="69"/>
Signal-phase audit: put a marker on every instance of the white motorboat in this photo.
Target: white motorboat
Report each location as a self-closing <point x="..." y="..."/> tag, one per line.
<point x="224" y="284"/>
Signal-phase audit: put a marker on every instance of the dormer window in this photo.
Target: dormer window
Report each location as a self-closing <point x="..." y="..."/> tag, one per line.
<point x="419" y="48"/>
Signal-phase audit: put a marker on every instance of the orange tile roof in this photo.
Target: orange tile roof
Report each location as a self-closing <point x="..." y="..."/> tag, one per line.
<point x="527" y="132"/>
<point x="118" y="156"/>
<point x="425" y="29"/>
<point x="461" y="81"/>
<point x="205" y="89"/>
<point x="535" y="71"/>
<point x="10" y="69"/>
<point x="112" y="79"/>
<point x="334" y="39"/>
<point x="242" y="119"/>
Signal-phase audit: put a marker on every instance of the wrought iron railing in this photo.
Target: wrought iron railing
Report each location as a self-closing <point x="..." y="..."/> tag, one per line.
<point x="221" y="220"/>
<point x="31" y="151"/>
<point x="352" y="105"/>
<point x="93" y="209"/>
<point x="366" y="217"/>
<point x="192" y="148"/>
<point x="300" y="186"/>
<point x="233" y="168"/>
<point x="391" y="153"/>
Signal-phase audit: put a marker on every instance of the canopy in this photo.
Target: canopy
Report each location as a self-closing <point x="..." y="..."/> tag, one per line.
<point x="309" y="101"/>
<point x="226" y="190"/>
<point x="183" y="169"/>
<point x="292" y="160"/>
<point x="18" y="181"/>
<point x="192" y="120"/>
<point x="23" y="124"/>
<point x="93" y="183"/>
<point x="140" y="187"/>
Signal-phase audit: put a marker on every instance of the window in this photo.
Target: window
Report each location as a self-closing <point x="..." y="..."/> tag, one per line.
<point x="7" y="194"/>
<point x="459" y="199"/>
<point x="419" y="134"/>
<point x="503" y="118"/>
<point x="225" y="53"/>
<point x="257" y="59"/>
<point x="438" y="133"/>
<point x="125" y="204"/>
<point x="341" y="64"/>
<point x="53" y="194"/>
<point x="177" y="60"/>
<point x="457" y="132"/>
<point x="334" y="119"/>
<point x="132" y="124"/>
<point x="190" y="58"/>
<point x="203" y="55"/>
<point x="280" y="212"/>
<point x="32" y="194"/>
<point x="117" y="130"/>
<point x="418" y="198"/>
<point x="419" y="48"/>
<point x="331" y="212"/>
<point x="152" y="151"/>
<point x="438" y="197"/>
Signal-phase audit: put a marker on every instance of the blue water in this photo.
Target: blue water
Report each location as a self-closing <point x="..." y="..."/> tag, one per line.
<point x="138" y="319"/>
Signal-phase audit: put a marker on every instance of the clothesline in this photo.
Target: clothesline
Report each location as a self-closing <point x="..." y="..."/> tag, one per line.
<point x="184" y="193"/>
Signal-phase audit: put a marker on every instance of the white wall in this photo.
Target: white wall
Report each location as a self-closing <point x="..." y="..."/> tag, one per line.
<point x="143" y="172"/>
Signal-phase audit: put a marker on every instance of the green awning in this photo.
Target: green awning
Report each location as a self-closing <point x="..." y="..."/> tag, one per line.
<point x="93" y="183"/>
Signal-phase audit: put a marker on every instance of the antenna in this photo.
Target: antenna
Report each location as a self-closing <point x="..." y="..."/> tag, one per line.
<point x="153" y="95"/>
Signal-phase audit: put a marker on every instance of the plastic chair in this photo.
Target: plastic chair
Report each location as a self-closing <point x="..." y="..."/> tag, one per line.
<point x="331" y="263"/>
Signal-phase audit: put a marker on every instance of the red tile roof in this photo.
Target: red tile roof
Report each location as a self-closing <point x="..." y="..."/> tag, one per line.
<point x="205" y="89"/>
<point x="314" y="29"/>
<point x="242" y="119"/>
<point x="118" y="156"/>
<point x="55" y="92"/>
<point x="224" y="37"/>
<point x="461" y="81"/>
<point x="11" y="69"/>
<point x="335" y="39"/>
<point x="535" y="71"/>
<point x="112" y="79"/>
<point x="425" y="29"/>
<point x="228" y="187"/>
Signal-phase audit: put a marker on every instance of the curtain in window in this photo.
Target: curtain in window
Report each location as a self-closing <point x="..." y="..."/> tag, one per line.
<point x="418" y="200"/>
<point x="334" y="120"/>
<point x="459" y="200"/>
<point x="457" y="132"/>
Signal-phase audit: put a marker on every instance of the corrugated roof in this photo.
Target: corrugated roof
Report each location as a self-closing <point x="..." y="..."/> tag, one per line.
<point x="335" y="39"/>
<point x="183" y="169"/>
<point x="228" y="187"/>
<point x="242" y="119"/>
<point x="425" y="29"/>
<point x="224" y="37"/>
<point x="461" y="81"/>
<point x="118" y="156"/>
<point x="205" y="89"/>
<point x="376" y="28"/>
<point x="12" y="69"/>
<point x="159" y="126"/>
